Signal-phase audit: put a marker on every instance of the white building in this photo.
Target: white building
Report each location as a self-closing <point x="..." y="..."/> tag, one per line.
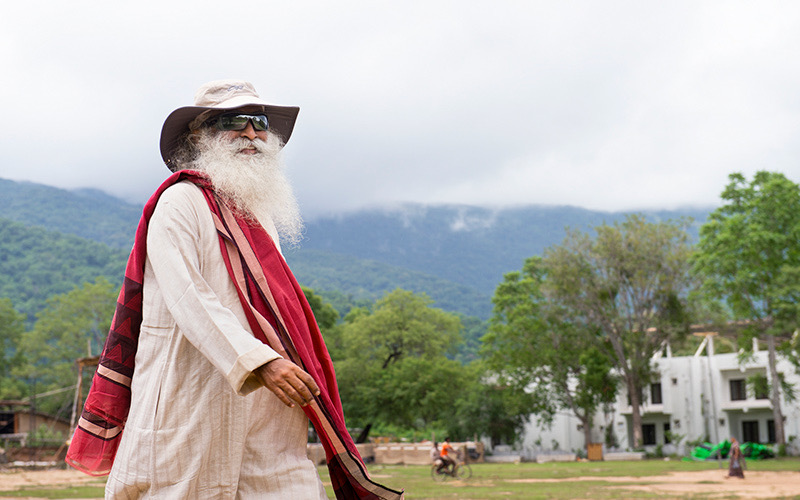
<point x="704" y="396"/>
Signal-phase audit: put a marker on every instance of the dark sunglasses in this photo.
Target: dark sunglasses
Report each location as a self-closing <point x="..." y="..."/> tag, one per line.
<point x="239" y="122"/>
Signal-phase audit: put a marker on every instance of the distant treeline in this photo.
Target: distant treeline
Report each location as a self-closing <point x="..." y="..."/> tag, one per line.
<point x="36" y="264"/>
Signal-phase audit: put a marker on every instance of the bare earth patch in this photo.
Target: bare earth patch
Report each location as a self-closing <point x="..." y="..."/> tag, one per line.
<point x="13" y="479"/>
<point x="757" y="484"/>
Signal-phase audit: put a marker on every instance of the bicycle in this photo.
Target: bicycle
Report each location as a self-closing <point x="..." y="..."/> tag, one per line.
<point x="461" y="470"/>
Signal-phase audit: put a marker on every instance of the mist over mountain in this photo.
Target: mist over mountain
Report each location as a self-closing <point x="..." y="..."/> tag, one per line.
<point x="469" y="245"/>
<point x="456" y="254"/>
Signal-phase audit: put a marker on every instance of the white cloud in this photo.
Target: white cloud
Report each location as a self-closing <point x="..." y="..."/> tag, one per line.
<point x="608" y="105"/>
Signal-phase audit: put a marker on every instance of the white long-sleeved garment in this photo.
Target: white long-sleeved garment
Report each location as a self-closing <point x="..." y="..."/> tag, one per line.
<point x="200" y="424"/>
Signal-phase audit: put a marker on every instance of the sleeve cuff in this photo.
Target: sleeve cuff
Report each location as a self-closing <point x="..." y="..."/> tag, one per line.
<point x="241" y="376"/>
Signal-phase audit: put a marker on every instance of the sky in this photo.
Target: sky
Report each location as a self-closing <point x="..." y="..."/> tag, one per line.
<point x="606" y="105"/>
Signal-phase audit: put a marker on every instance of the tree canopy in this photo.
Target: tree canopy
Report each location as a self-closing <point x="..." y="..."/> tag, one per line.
<point x="74" y="325"/>
<point x="629" y="283"/>
<point x="12" y="327"/>
<point x="36" y="264"/>
<point x="749" y="256"/>
<point x="537" y="347"/>
<point x="394" y="368"/>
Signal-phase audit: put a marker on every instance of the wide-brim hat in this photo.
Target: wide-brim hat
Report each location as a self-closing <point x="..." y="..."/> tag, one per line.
<point x="221" y="96"/>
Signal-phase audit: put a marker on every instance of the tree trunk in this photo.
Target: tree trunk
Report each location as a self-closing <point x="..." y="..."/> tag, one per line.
<point x="775" y="391"/>
<point x="587" y="432"/>
<point x="636" y="416"/>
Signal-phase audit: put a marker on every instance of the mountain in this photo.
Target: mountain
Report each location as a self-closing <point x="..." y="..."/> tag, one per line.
<point x="456" y="254"/>
<point x="88" y="213"/>
<point x="471" y="246"/>
<point x="364" y="279"/>
<point x="36" y="264"/>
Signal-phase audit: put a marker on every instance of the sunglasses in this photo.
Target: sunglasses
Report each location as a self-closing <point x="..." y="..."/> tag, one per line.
<point x="239" y="122"/>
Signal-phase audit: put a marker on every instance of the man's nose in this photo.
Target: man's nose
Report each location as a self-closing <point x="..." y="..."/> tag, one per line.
<point x="249" y="131"/>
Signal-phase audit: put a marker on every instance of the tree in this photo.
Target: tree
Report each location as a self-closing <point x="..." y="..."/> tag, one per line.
<point x="12" y="327"/>
<point x="473" y="331"/>
<point x="394" y="368"/>
<point x="749" y="256"/>
<point x="326" y="315"/>
<point x="536" y="347"/>
<point x="629" y="284"/>
<point x="489" y="407"/>
<point x="72" y="326"/>
<point x="403" y="324"/>
<point x="328" y="321"/>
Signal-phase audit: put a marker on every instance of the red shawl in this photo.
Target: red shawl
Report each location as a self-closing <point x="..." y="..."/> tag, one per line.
<point x="277" y="312"/>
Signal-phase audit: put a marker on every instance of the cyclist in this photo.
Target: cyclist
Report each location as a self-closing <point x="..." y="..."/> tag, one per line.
<point x="447" y="454"/>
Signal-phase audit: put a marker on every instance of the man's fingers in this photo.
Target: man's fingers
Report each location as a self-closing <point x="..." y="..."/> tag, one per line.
<point x="309" y="382"/>
<point x="298" y="385"/>
<point x="282" y="396"/>
<point x="295" y="390"/>
<point x="288" y="382"/>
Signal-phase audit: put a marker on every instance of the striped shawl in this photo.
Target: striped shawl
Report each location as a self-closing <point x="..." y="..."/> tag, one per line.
<point x="278" y="314"/>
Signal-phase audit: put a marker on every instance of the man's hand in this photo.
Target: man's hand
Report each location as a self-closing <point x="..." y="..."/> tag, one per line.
<point x="288" y="381"/>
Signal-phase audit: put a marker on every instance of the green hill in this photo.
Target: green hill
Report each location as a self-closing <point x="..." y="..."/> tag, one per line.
<point x="36" y="264"/>
<point x="87" y="213"/>
<point x="456" y="254"/>
<point x="363" y="279"/>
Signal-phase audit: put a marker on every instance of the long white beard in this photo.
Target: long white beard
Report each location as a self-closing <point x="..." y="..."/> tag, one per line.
<point x="253" y="185"/>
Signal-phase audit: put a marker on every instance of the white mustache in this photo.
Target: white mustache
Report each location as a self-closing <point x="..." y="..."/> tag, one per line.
<point x="241" y="143"/>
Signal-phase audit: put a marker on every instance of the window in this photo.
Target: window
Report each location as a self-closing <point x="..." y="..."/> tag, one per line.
<point x="641" y="400"/>
<point x="760" y="386"/>
<point x="738" y="391"/>
<point x="655" y="394"/>
<point x="770" y="431"/>
<point x="750" y="431"/>
<point x="6" y="423"/>
<point x="666" y="433"/>
<point x="648" y="434"/>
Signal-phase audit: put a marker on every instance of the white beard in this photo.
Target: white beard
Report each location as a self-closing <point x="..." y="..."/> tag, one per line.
<point x="255" y="186"/>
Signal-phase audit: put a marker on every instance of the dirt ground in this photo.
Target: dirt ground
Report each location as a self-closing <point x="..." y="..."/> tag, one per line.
<point x="16" y="478"/>
<point x="711" y="483"/>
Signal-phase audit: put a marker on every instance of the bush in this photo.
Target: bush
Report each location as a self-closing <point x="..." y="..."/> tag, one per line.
<point x="45" y="436"/>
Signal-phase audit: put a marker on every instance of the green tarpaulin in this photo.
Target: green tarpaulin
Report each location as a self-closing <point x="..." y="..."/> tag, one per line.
<point x="707" y="451"/>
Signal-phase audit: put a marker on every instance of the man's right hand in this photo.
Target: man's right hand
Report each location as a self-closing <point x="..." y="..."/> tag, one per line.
<point x="288" y="381"/>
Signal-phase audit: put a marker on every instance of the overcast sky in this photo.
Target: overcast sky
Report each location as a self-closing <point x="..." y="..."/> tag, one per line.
<point x="600" y="104"/>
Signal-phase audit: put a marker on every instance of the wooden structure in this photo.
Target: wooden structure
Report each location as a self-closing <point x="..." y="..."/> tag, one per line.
<point x="18" y="420"/>
<point x="82" y="363"/>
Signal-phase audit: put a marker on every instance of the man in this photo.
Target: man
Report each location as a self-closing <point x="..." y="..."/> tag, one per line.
<point x="209" y="316"/>
<point x="447" y="453"/>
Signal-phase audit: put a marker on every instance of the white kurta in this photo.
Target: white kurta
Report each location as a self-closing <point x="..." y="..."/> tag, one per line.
<point x="200" y="425"/>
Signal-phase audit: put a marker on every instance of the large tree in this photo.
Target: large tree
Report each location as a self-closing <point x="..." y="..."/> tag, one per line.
<point x="749" y="256"/>
<point x="538" y="348"/>
<point x="403" y="324"/>
<point x="394" y="367"/>
<point x="630" y="283"/>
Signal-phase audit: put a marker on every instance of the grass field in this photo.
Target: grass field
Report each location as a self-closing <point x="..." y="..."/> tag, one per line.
<point x="513" y="481"/>
<point x="645" y="479"/>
